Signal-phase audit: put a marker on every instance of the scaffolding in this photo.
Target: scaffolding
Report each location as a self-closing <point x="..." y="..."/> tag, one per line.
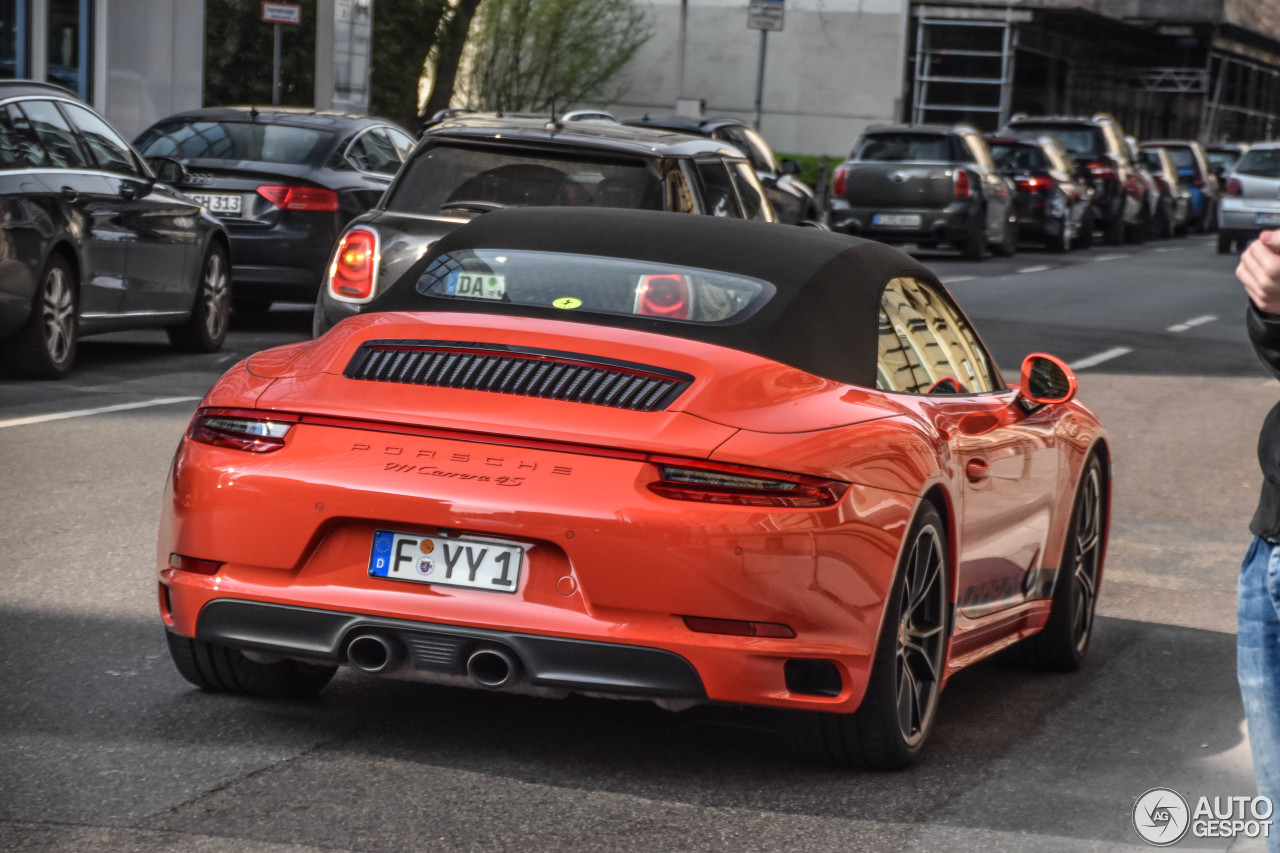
<point x="968" y="66"/>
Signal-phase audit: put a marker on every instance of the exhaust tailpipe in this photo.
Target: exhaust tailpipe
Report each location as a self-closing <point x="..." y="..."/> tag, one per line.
<point x="374" y="653"/>
<point x="493" y="667"/>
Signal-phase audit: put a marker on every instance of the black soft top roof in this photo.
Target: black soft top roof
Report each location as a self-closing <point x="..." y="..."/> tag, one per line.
<point x="823" y="318"/>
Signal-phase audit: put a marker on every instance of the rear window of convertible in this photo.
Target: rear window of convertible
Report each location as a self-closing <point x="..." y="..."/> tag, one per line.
<point x="593" y="284"/>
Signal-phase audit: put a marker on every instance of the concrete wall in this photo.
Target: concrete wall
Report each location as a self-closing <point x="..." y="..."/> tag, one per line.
<point x="836" y="68"/>
<point x="148" y="60"/>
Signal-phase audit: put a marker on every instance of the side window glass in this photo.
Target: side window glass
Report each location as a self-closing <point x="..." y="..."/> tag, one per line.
<point x="679" y="192"/>
<point x="963" y="153"/>
<point x="719" y="198"/>
<point x="372" y="151"/>
<point x="924" y="341"/>
<point x="55" y="134"/>
<point x="19" y="147"/>
<point x="403" y="143"/>
<point x="111" y="152"/>
<point x="749" y="191"/>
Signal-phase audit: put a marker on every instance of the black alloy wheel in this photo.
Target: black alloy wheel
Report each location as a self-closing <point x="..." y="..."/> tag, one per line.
<point x="45" y="346"/>
<point x="206" y="328"/>
<point x="1065" y="639"/>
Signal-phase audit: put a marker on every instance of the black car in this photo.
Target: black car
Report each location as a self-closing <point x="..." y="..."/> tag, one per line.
<point x="472" y="164"/>
<point x="1052" y="202"/>
<point x="90" y="242"/>
<point x="1174" y="208"/>
<point x="792" y="199"/>
<point x="284" y="182"/>
<point x="1121" y="207"/>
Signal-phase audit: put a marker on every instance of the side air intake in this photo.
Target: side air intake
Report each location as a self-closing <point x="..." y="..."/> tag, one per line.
<point x="547" y="374"/>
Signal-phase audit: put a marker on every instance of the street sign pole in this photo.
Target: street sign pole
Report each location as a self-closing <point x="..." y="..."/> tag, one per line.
<point x="764" y="46"/>
<point x="277" y="14"/>
<point x="763" y="15"/>
<point x="275" y="69"/>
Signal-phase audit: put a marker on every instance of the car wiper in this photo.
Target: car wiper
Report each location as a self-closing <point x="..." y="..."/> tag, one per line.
<point x="473" y="206"/>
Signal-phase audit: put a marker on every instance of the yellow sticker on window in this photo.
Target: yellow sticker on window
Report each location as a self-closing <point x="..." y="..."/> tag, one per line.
<point x="567" y="302"/>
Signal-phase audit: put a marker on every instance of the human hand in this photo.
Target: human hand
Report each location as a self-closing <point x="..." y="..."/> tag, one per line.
<point x="1259" y="272"/>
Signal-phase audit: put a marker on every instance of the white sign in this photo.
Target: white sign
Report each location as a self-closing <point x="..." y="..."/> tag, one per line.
<point x="765" y="15"/>
<point x="282" y="13"/>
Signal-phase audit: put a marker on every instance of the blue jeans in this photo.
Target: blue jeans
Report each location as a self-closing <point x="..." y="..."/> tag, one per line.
<point x="1258" y="666"/>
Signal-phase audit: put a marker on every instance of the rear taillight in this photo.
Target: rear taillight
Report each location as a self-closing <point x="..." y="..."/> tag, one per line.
<point x="1102" y="170"/>
<point x="353" y="275"/>
<point x="1234" y="187"/>
<point x="288" y="197"/>
<point x="838" y="182"/>
<point x="683" y="480"/>
<point x="964" y="189"/>
<point x="241" y="429"/>
<point x="663" y="296"/>
<point x="1036" y="184"/>
<point x="1197" y="182"/>
<point x="193" y="565"/>
<point x="738" y="628"/>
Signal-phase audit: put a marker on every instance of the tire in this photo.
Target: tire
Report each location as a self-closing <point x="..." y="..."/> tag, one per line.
<point x="1113" y="231"/>
<point x="1164" y="219"/>
<point x="45" y="346"/>
<point x="206" y="328"/>
<point x="223" y="669"/>
<point x="890" y="728"/>
<point x="1062" y="645"/>
<point x="1225" y="242"/>
<point x="974" y="247"/>
<point x="1137" y="232"/>
<point x="1008" y="245"/>
<point x="1084" y="240"/>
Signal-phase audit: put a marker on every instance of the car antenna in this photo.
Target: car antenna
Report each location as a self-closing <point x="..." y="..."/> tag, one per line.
<point x="555" y="123"/>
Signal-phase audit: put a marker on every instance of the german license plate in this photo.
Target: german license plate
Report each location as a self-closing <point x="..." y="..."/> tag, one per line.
<point x="477" y="285"/>
<point x="896" y="220"/>
<point x="471" y="563"/>
<point x="1269" y="218"/>
<point x="223" y="203"/>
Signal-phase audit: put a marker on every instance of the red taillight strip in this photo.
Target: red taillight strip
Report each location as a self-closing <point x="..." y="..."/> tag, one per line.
<point x="204" y="429"/>
<point x="802" y="490"/>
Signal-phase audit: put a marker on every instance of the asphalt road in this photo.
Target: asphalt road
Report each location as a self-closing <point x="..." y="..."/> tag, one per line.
<point x="103" y="746"/>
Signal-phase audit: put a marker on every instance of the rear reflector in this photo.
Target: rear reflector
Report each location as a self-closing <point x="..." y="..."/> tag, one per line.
<point x="353" y="275"/>
<point x="739" y="485"/>
<point x="241" y="429"/>
<point x="737" y="628"/>
<point x="193" y="565"/>
<point x="288" y="197"/>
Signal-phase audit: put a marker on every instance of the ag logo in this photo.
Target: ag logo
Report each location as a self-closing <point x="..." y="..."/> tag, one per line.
<point x="1161" y="816"/>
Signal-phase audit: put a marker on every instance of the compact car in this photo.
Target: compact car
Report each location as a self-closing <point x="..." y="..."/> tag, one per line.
<point x="631" y="454"/>
<point x="1195" y="173"/>
<point x="1174" y="208"/>
<point x="91" y="242"/>
<point x="1251" y="201"/>
<point x="1053" y="204"/>
<point x="283" y="181"/>
<point x="474" y="163"/>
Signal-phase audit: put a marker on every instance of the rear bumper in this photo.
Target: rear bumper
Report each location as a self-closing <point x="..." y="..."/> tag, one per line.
<point x="282" y="262"/>
<point x="953" y="224"/>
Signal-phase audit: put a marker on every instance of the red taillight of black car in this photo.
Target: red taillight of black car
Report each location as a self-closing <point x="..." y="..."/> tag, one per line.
<point x="292" y="197"/>
<point x="353" y="274"/>
<point x="1037" y="184"/>
<point x="241" y="429"/>
<point x="739" y="485"/>
<point x="963" y="186"/>
<point x="838" y="182"/>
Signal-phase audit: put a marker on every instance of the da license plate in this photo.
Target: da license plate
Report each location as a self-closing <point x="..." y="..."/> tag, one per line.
<point x="220" y="203"/>
<point x="896" y="220"/>
<point x="1269" y="218"/>
<point x="471" y="563"/>
<point x="477" y="285"/>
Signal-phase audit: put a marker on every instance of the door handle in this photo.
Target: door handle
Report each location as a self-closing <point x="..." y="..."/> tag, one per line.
<point x="977" y="470"/>
<point x="70" y="193"/>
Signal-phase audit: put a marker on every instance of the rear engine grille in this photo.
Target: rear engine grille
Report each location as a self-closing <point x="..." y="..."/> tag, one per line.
<point x="548" y="374"/>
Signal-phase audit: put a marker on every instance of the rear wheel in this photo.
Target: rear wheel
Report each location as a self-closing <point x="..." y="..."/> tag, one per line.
<point x="211" y="666"/>
<point x="1008" y="245"/>
<point x="1084" y="240"/>
<point x="1113" y="231"/>
<point x="1062" y="644"/>
<point x="45" y="346"/>
<point x="206" y="328"/>
<point x="889" y="729"/>
<point x="974" y="247"/>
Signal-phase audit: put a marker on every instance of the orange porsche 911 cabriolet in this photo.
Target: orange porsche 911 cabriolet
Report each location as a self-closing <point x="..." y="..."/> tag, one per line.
<point x="636" y="454"/>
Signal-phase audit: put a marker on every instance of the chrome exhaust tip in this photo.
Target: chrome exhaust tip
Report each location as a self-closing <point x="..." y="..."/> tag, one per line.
<point x="493" y="667"/>
<point x="374" y="653"/>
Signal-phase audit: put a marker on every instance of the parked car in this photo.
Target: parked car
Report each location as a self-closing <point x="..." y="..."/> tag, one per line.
<point x="1053" y="203"/>
<point x="632" y="454"/>
<point x="792" y="199"/>
<point x="1223" y="157"/>
<point x="285" y="182"/>
<point x="1251" y="203"/>
<point x="1120" y="205"/>
<point x="1174" y="208"/>
<point x="475" y="163"/>
<point x="91" y="242"/>
<point x="925" y="184"/>
<point x="1193" y="168"/>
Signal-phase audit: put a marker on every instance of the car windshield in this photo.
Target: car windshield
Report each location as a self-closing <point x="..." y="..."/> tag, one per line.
<point x="904" y="146"/>
<point x="1079" y="141"/>
<point x="230" y="140"/>
<point x="1262" y="163"/>
<point x="598" y="285"/>
<point x="1019" y="156"/>
<point x="454" y="180"/>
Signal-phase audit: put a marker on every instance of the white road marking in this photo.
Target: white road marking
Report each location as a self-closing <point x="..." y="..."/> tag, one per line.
<point x="1040" y="268"/>
<point x="1170" y="249"/>
<point x="1109" y="258"/>
<point x="1192" y="323"/>
<point x="958" y="279"/>
<point x="80" y="413"/>
<point x="1094" y="360"/>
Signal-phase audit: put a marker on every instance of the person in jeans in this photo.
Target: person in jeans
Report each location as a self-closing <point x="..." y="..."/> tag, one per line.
<point x="1258" y="634"/>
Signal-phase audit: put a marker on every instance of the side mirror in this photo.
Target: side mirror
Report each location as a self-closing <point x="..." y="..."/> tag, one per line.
<point x="168" y="170"/>
<point x="789" y="166"/>
<point x="1046" y="379"/>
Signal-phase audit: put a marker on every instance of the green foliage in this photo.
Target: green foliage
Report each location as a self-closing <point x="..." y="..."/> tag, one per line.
<point x="809" y="166"/>
<point x="525" y="53"/>
<point x="237" y="55"/>
<point x="404" y="32"/>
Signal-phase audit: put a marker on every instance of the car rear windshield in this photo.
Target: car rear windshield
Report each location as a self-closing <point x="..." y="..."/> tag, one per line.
<point x="1086" y="141"/>
<point x="1019" y="156"/>
<point x="231" y="140"/>
<point x="1264" y="163"/>
<point x="1222" y="158"/>
<point x="904" y="146"/>
<point x="1182" y="157"/>
<point x="598" y="285"/>
<point x="456" y="180"/>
